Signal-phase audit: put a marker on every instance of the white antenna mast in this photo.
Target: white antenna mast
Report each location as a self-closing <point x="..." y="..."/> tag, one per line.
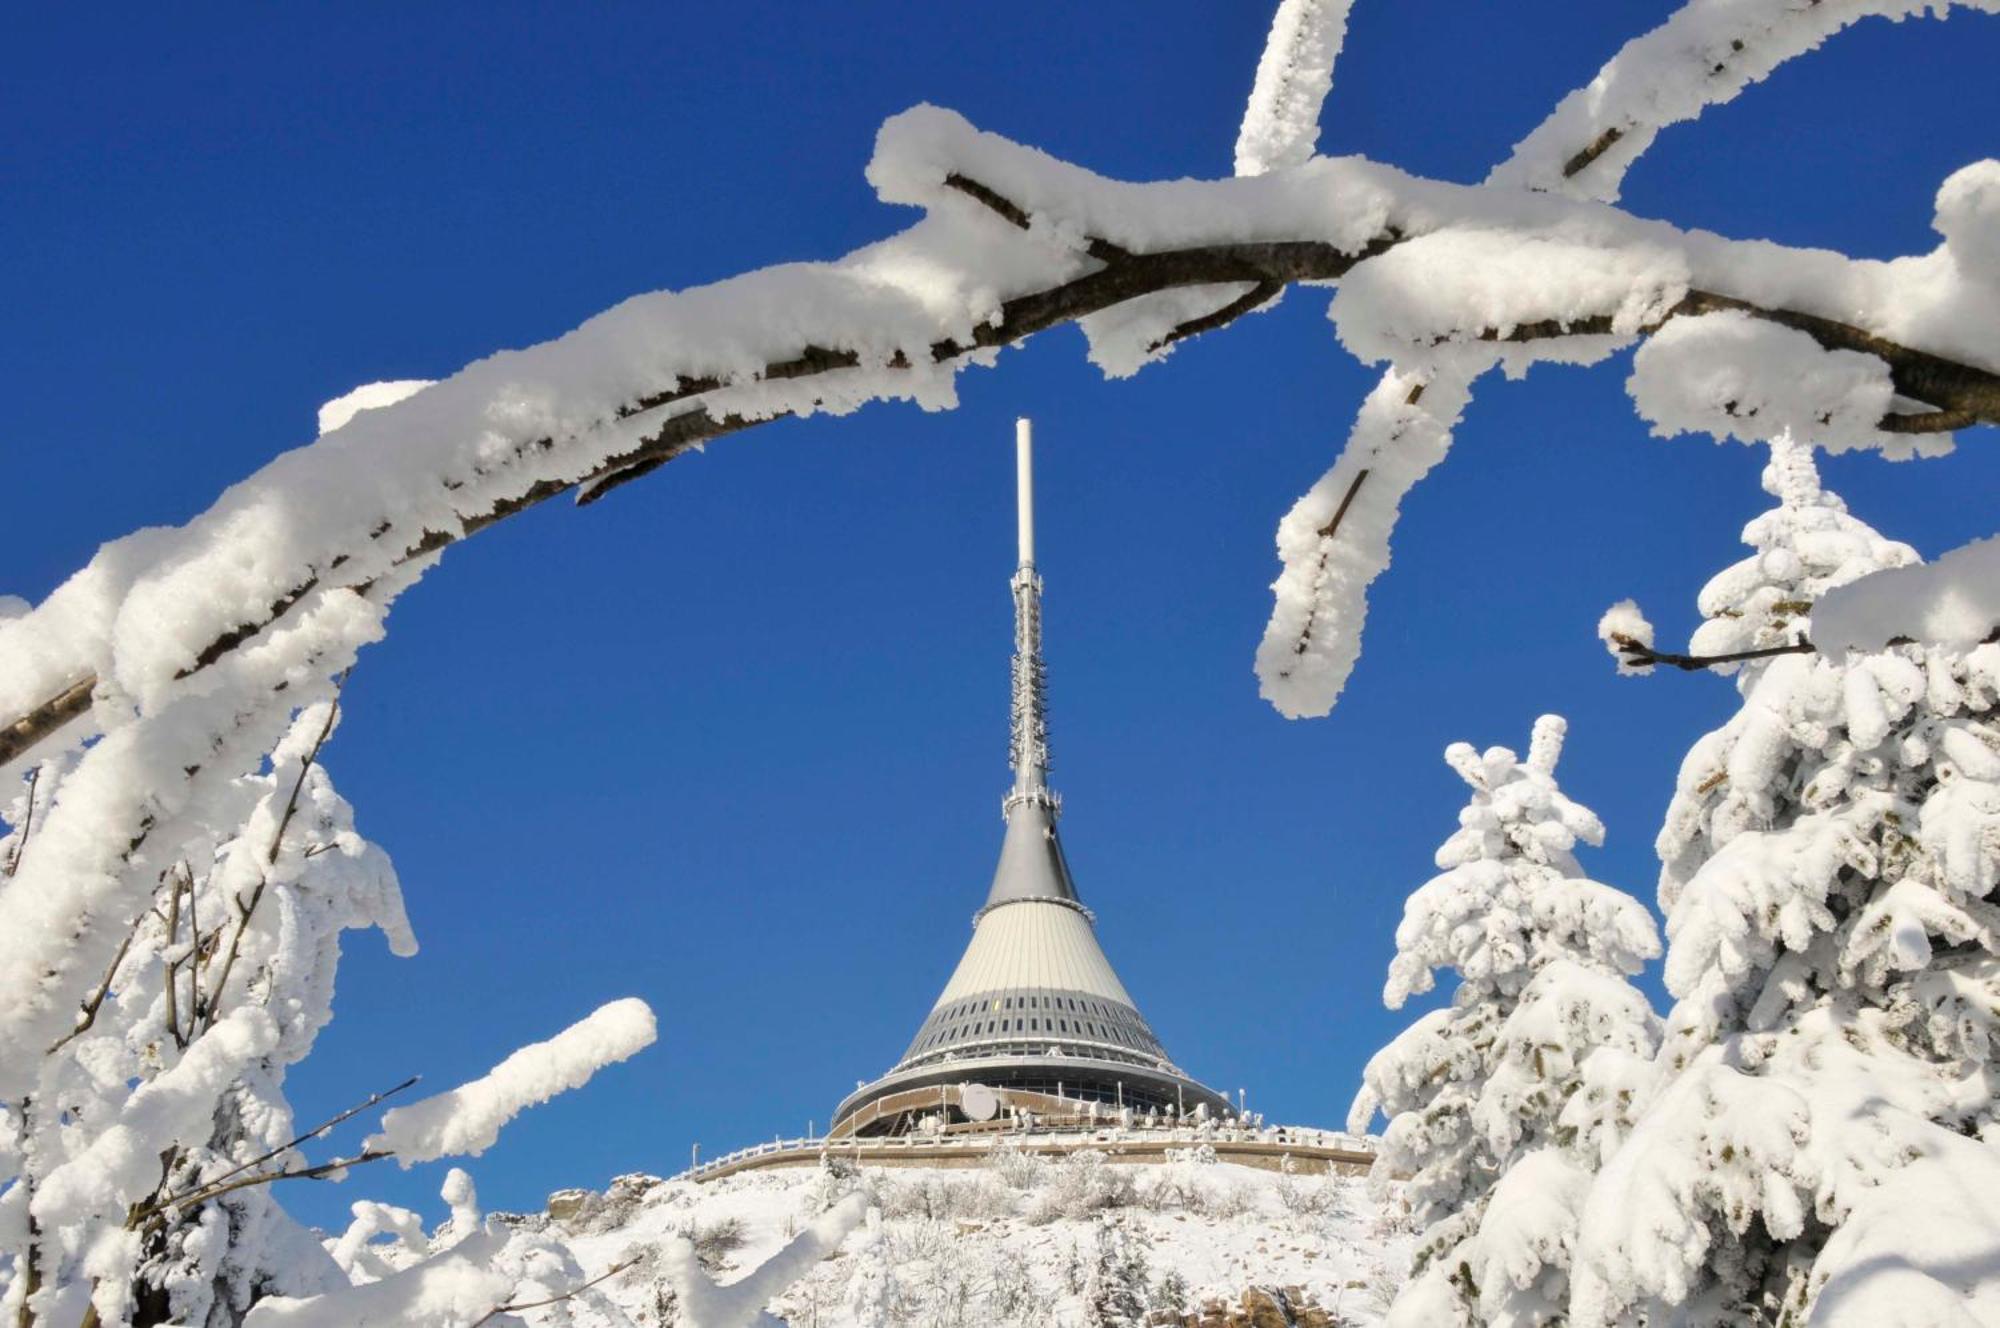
<point x="1024" y="487"/>
<point x="1029" y="749"/>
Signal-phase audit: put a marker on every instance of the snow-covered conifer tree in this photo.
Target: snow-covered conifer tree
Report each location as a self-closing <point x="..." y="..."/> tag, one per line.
<point x="1502" y="1104"/>
<point x="1816" y="1147"/>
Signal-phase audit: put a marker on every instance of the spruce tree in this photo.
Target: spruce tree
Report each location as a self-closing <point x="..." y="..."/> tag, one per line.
<point x="1814" y="1146"/>
<point x="1502" y="1104"/>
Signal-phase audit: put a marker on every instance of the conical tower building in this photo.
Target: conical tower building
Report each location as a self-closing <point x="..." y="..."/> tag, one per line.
<point x="1034" y="1017"/>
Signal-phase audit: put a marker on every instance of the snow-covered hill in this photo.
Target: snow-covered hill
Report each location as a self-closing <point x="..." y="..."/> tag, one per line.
<point x="1021" y="1240"/>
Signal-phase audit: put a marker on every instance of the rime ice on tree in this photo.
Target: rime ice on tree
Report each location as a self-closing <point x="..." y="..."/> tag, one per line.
<point x="1525" y="1077"/>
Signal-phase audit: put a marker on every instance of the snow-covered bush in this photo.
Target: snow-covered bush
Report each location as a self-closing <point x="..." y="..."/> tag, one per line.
<point x="1304" y="1194"/>
<point x="1489" y="1117"/>
<point x="1084" y="1182"/>
<point x="1818" y="1146"/>
<point x="958" y="1198"/>
<point x="1184" y="1182"/>
<point x="1018" y="1167"/>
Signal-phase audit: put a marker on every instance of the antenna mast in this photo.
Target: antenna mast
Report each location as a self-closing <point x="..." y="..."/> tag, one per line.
<point x="1028" y="751"/>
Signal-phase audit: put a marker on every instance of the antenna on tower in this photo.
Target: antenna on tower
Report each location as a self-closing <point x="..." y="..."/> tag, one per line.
<point x="1024" y="488"/>
<point x="1029" y="749"/>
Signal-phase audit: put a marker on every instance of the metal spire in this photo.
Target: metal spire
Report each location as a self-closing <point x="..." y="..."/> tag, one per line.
<point x="1028" y="752"/>
<point x="1033" y="1000"/>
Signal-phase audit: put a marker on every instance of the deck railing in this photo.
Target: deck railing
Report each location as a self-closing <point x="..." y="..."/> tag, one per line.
<point x="1060" y="1138"/>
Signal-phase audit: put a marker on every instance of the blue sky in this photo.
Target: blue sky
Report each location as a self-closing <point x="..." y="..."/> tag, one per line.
<point x="734" y="740"/>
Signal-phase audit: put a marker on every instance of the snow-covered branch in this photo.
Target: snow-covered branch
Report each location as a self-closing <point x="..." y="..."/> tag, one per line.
<point x="1703" y="55"/>
<point x="1032" y="243"/>
<point x="466" y="1121"/>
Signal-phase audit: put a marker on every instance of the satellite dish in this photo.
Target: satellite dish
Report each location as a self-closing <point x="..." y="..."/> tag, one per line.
<point x="978" y="1102"/>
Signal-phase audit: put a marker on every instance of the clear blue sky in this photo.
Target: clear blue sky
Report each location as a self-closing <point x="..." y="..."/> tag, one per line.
<point x="734" y="740"/>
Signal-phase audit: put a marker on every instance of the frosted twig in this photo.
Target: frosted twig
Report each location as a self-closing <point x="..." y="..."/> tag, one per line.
<point x="173" y="978"/>
<point x="318" y="1172"/>
<point x="247" y="911"/>
<point x="91" y="1006"/>
<point x="27" y="823"/>
<point x="314" y="1133"/>
<point x="573" y="1292"/>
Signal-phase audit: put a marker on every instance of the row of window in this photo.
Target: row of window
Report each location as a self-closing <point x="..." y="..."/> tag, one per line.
<point x="994" y="1016"/>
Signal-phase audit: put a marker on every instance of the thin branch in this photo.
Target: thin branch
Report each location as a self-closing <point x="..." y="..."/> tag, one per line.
<point x="1971" y="395"/>
<point x="314" y="1133"/>
<point x="194" y="956"/>
<point x="46" y="719"/>
<point x="1639" y="655"/>
<point x="91" y="1006"/>
<point x="1592" y="150"/>
<point x="1259" y="295"/>
<point x="318" y="1172"/>
<point x="247" y="911"/>
<point x="573" y="1292"/>
<point x="27" y="823"/>
<point x="172" y="981"/>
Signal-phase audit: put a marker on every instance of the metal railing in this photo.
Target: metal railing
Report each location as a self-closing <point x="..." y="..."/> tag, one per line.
<point x="1060" y="1137"/>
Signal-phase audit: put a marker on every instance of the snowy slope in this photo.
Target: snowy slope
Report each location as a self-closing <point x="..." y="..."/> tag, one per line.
<point x="1018" y="1241"/>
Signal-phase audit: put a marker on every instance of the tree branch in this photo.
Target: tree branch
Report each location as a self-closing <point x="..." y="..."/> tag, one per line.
<point x="1638" y="655"/>
<point x="247" y="911"/>
<point x="1959" y="391"/>
<point x="27" y="823"/>
<point x="318" y="1172"/>
<point x="203" y="1189"/>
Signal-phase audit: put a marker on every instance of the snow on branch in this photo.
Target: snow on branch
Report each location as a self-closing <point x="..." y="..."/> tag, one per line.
<point x="1281" y="123"/>
<point x="457" y="1286"/>
<point x="741" y="1304"/>
<point x="1954" y="601"/>
<point x="1014" y="242"/>
<point x="466" y="1121"/>
<point x="1707" y="53"/>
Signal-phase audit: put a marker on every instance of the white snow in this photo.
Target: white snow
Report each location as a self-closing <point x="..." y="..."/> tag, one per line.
<point x="1704" y="55"/>
<point x="369" y="396"/>
<point x="1729" y="375"/>
<point x="1954" y="601"/>
<point x="1281" y="123"/>
<point x="1021" y="1242"/>
<point x="466" y="1121"/>
<point x="1622" y="627"/>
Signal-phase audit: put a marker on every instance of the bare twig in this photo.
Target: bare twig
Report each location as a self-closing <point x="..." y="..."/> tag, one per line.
<point x="194" y="956"/>
<point x="318" y="1172"/>
<point x="314" y="1133"/>
<point x="1260" y="294"/>
<point x="1639" y="655"/>
<point x="91" y="1006"/>
<point x="27" y="823"/>
<point x="1592" y="150"/>
<point x="172" y="981"/>
<point x="245" y="911"/>
<point x="574" y="1291"/>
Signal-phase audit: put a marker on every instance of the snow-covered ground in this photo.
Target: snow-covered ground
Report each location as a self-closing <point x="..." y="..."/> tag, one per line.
<point x="1020" y="1240"/>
